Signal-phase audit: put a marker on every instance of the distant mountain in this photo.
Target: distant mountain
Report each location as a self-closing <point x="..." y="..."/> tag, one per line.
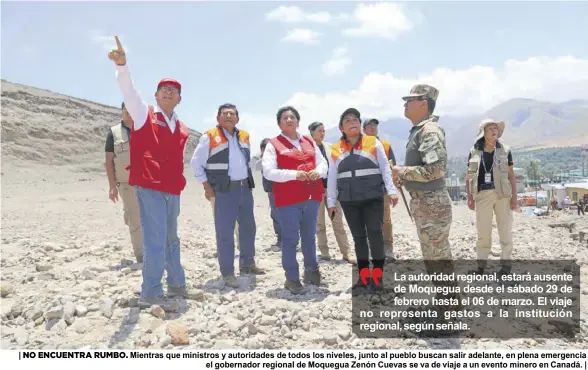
<point x="529" y="124"/>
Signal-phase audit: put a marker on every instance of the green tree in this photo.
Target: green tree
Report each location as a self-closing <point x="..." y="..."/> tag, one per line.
<point x="533" y="171"/>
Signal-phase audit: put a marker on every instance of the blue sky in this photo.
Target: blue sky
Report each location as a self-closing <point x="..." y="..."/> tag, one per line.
<point x="238" y="52"/>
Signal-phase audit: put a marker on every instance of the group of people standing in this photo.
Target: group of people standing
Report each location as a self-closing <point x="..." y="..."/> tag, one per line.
<point x="356" y="177"/>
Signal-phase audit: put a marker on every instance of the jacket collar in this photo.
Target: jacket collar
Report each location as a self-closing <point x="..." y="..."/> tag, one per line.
<point x="479" y="145"/>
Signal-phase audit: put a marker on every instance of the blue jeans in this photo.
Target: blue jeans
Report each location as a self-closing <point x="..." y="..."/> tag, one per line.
<point x="298" y="223"/>
<point x="274" y="216"/>
<point x="161" y="245"/>
<point x="230" y="207"/>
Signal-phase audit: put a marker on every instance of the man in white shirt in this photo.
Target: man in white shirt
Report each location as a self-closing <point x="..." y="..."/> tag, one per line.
<point x="222" y="163"/>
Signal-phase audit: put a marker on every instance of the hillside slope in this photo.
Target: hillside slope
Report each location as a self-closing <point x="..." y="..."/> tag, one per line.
<point x="40" y="126"/>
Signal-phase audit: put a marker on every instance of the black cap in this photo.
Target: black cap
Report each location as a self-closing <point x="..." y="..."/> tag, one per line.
<point x="370" y="120"/>
<point x="353" y="111"/>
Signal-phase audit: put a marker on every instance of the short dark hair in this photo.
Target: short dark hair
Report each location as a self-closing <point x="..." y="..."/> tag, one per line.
<point x="353" y="111"/>
<point x="285" y="109"/>
<point x="227" y="106"/>
<point x="263" y="143"/>
<point x="123" y="105"/>
<point x="313" y="126"/>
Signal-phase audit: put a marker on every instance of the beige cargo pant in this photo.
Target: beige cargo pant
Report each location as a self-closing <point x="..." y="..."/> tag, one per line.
<point x="338" y="228"/>
<point x="488" y="204"/>
<point x="236" y="228"/>
<point x="132" y="218"/>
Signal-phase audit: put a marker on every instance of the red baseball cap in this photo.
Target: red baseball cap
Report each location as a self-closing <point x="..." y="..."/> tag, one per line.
<point x="169" y="81"/>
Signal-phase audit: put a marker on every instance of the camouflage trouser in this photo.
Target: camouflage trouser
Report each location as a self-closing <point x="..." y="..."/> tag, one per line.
<point x="432" y="213"/>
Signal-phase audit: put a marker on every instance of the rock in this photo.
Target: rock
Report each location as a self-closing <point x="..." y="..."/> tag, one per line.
<point x="344" y="334"/>
<point x="21" y="336"/>
<point x="54" y="313"/>
<point x="6" y="289"/>
<point x="6" y="307"/>
<point x="233" y="324"/>
<point x="80" y="310"/>
<point x="41" y="267"/>
<point x="329" y="338"/>
<point x="179" y="333"/>
<point x="106" y="306"/>
<point x="157" y="311"/>
<point x="69" y="308"/>
<point x="267" y="320"/>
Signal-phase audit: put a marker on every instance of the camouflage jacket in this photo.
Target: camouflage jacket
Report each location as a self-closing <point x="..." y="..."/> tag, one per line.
<point x="428" y="138"/>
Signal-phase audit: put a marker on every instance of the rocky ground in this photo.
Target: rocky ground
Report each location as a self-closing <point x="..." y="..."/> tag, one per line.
<point x="68" y="279"/>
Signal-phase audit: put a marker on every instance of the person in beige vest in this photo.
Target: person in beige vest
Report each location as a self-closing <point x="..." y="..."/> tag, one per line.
<point x="491" y="189"/>
<point x="117" y="160"/>
<point x="317" y="132"/>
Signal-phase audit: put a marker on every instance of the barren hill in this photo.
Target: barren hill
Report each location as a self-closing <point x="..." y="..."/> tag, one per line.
<point x="44" y="127"/>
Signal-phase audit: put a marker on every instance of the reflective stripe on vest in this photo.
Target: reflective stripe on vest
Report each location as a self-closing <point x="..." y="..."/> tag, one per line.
<point x="217" y="165"/>
<point x="358" y="173"/>
<point x="122" y="154"/>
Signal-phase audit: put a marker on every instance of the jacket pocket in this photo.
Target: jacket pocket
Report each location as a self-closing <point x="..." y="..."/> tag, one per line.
<point x="151" y="168"/>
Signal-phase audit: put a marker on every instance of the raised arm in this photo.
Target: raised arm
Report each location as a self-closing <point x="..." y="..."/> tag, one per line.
<point x="134" y="104"/>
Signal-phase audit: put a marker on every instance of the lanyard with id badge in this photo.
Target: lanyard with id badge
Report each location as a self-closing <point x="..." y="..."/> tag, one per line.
<point x="488" y="174"/>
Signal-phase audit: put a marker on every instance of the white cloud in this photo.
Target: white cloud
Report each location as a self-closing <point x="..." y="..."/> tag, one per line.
<point x="108" y="43"/>
<point x="293" y="14"/>
<point x="303" y="36"/>
<point x="386" y="20"/>
<point x="469" y="91"/>
<point x="338" y="62"/>
<point x="462" y="92"/>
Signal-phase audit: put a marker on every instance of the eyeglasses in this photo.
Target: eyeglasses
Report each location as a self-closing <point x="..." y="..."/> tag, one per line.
<point x="170" y="89"/>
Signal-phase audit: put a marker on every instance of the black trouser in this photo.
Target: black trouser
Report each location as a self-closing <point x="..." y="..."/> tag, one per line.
<point x="365" y="219"/>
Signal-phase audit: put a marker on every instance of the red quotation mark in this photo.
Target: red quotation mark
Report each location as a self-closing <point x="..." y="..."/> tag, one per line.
<point x="376" y="275"/>
<point x="364" y="274"/>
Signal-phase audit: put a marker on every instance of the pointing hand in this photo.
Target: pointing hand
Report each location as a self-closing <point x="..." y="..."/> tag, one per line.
<point x="118" y="55"/>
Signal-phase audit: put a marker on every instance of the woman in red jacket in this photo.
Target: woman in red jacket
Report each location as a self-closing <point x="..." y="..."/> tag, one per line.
<point x="295" y="166"/>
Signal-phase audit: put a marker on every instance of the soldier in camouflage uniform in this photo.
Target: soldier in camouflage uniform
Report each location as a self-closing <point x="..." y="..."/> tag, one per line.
<point x="423" y="175"/>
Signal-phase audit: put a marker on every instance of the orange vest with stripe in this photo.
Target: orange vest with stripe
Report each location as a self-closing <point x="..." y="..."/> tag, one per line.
<point x="217" y="165"/>
<point x="388" y="149"/>
<point x="358" y="173"/>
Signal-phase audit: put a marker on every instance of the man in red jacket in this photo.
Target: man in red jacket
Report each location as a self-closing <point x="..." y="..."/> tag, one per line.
<point x="158" y="139"/>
